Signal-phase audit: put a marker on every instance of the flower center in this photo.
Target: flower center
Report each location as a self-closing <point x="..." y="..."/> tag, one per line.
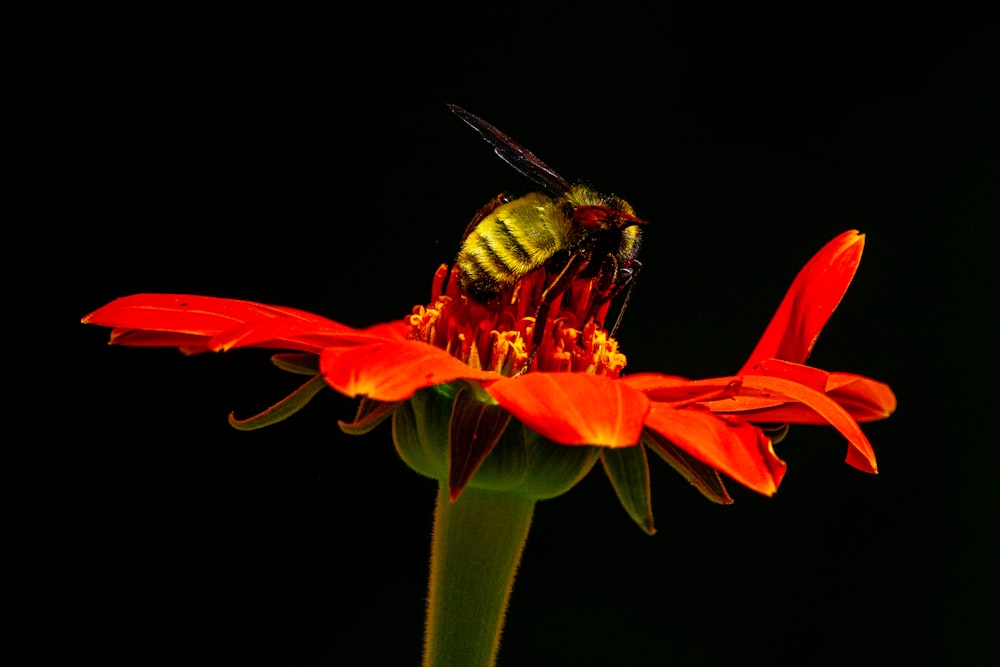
<point x="499" y="335"/>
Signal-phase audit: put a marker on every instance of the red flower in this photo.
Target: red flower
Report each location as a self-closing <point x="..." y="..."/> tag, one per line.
<point x="574" y="394"/>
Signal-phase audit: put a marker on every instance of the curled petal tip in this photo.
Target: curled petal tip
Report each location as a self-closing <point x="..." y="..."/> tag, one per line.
<point x="810" y="301"/>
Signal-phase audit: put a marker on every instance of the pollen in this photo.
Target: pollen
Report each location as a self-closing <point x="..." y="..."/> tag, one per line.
<point x="498" y="336"/>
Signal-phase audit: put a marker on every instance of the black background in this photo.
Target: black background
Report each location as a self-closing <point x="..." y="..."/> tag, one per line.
<point x="305" y="157"/>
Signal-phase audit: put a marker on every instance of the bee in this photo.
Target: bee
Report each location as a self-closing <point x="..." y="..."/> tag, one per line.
<point x="572" y="231"/>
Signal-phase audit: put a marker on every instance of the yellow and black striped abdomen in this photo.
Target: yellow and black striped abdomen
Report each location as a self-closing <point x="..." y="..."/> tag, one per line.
<point x="510" y="242"/>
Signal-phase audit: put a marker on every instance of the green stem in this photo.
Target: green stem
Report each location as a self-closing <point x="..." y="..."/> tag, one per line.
<point x="476" y="547"/>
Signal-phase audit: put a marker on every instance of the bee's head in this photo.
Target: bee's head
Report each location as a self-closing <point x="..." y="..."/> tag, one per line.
<point x="604" y="218"/>
<point x="595" y="211"/>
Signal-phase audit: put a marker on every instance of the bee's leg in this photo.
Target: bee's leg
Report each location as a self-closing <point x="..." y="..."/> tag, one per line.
<point x="607" y="287"/>
<point x="612" y="282"/>
<point x="481" y="214"/>
<point x="574" y="265"/>
<point x="628" y="278"/>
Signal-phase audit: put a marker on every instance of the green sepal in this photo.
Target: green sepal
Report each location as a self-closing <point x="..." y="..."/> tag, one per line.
<point x="554" y="468"/>
<point x="300" y="363"/>
<point x="628" y="470"/>
<point x="281" y="410"/>
<point x="776" y="433"/>
<point x="477" y="422"/>
<point x="369" y="415"/>
<point x="703" y="477"/>
<point x="428" y="433"/>
<point x="420" y="430"/>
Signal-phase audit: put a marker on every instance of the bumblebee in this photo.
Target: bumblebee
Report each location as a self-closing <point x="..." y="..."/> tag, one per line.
<point x="570" y="230"/>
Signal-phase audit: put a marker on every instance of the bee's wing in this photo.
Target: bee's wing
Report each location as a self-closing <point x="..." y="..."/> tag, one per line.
<point x="514" y="154"/>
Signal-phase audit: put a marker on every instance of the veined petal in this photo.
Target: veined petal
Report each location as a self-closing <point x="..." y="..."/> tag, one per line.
<point x="732" y="446"/>
<point x="574" y="408"/>
<point x="392" y="370"/>
<point x="289" y="334"/>
<point x="201" y="323"/>
<point x="859" y="454"/>
<point x="813" y="296"/>
<point x="188" y="343"/>
<point x="188" y="313"/>
<point x="395" y="330"/>
<point x="678" y="390"/>
<point x="863" y="398"/>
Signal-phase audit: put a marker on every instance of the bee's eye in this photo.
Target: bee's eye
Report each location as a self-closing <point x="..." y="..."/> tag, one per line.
<point x="595" y="218"/>
<point x="592" y="217"/>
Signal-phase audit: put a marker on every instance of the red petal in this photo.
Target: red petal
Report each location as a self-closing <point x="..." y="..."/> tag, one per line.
<point x="393" y="370"/>
<point x="859" y="454"/>
<point x="186" y="313"/>
<point x="812" y="298"/>
<point x="731" y="446"/>
<point x="673" y="389"/>
<point x="201" y="323"/>
<point x="290" y="334"/>
<point x="188" y="343"/>
<point x="863" y="398"/>
<point x="574" y="408"/>
<point x="652" y="382"/>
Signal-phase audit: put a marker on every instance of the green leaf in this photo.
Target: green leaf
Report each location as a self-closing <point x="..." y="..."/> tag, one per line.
<point x="283" y="409"/>
<point x="776" y="433"/>
<point x="628" y="470"/>
<point x="703" y="477"/>
<point x="300" y="363"/>
<point x="369" y="415"/>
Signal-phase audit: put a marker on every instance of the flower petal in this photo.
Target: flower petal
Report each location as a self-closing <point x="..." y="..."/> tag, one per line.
<point x="200" y="323"/>
<point x="678" y="390"/>
<point x="288" y="334"/>
<point x="574" y="408"/>
<point x="732" y="446"/>
<point x="392" y="370"/>
<point x="863" y="398"/>
<point x="188" y="313"/>
<point x="187" y="343"/>
<point x="813" y="296"/>
<point x="859" y="453"/>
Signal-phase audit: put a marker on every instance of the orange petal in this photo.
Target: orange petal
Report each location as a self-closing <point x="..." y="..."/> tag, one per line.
<point x="863" y="398"/>
<point x="674" y="389"/>
<point x="393" y="370"/>
<point x="188" y="313"/>
<point x="809" y="302"/>
<point x="859" y="453"/>
<point x="733" y="447"/>
<point x="574" y="408"/>
<point x="203" y="316"/>
<point x="290" y="334"/>
<point x="188" y="343"/>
